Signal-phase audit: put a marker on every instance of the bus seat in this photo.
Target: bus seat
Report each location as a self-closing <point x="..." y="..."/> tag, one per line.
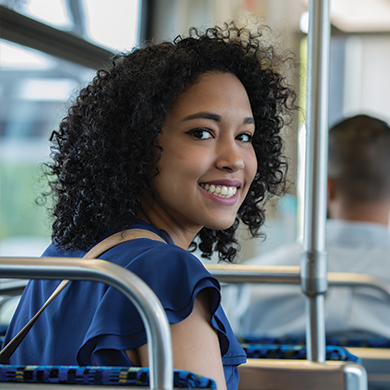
<point x="373" y="353"/>
<point x="376" y="361"/>
<point x="296" y="352"/>
<point x="283" y="367"/>
<point x="340" y="341"/>
<point x="88" y="375"/>
<point x="282" y="374"/>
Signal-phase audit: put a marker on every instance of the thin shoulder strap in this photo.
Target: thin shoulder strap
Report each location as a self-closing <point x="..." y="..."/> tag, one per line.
<point x="118" y="238"/>
<point x="93" y="253"/>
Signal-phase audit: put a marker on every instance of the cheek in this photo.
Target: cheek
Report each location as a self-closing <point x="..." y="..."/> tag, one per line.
<point x="183" y="162"/>
<point x="172" y="154"/>
<point x="251" y="164"/>
<point x="174" y="170"/>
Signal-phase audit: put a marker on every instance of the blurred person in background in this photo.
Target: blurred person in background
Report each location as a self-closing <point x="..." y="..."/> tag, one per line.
<point x="357" y="240"/>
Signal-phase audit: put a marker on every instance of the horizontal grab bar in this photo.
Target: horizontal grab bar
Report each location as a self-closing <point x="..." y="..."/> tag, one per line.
<point x="241" y="273"/>
<point x="263" y="274"/>
<point x="151" y="311"/>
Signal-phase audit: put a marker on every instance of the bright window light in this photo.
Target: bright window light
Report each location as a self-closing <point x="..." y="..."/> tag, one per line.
<point x="361" y="15"/>
<point x="116" y="26"/>
<point x="53" y="12"/>
<point x="304" y="22"/>
<point x="15" y="57"/>
<point x="47" y="89"/>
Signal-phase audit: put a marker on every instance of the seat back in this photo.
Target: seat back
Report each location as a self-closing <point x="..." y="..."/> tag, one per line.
<point x="97" y="376"/>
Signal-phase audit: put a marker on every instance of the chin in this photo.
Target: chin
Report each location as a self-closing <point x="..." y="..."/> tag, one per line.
<point x="220" y="225"/>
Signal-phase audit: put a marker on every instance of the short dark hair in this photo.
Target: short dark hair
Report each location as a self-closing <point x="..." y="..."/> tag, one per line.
<point x="359" y="158"/>
<point x="107" y="142"/>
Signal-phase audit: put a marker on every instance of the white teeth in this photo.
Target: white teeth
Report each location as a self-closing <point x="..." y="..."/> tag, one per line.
<point x="221" y="191"/>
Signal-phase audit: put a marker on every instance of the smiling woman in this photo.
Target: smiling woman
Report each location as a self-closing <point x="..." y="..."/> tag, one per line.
<point x="180" y="139"/>
<point x="205" y="141"/>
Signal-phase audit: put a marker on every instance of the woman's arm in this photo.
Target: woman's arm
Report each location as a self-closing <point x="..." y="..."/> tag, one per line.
<point x="195" y="344"/>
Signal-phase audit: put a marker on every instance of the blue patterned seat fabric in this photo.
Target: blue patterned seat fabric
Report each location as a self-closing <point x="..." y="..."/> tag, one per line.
<point x="274" y="351"/>
<point x="374" y="342"/>
<point x="97" y="376"/>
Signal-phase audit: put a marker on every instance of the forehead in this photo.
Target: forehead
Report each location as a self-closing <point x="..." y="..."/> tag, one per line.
<point x="216" y="92"/>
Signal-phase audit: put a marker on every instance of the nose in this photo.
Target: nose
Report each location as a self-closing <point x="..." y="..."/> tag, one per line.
<point x="229" y="157"/>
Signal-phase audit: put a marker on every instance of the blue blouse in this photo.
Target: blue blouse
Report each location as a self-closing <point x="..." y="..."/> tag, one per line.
<point x="90" y="323"/>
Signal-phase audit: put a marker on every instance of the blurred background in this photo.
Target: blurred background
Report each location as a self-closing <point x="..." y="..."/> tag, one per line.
<point x="51" y="48"/>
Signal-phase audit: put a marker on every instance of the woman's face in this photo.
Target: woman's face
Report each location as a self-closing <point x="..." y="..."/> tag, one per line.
<point x="208" y="162"/>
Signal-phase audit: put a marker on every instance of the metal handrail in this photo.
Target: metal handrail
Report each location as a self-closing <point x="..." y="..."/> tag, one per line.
<point x="241" y="273"/>
<point x="140" y="294"/>
<point x="263" y="274"/>
<point x="314" y="256"/>
<point x="349" y="279"/>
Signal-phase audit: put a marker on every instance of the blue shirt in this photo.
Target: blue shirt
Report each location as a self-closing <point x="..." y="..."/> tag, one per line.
<point x="90" y="323"/>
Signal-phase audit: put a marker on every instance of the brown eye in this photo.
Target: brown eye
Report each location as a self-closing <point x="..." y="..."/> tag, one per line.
<point x="244" y="137"/>
<point x="200" y="133"/>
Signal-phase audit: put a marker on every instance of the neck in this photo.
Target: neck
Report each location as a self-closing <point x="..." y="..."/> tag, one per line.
<point x="361" y="212"/>
<point x="159" y="219"/>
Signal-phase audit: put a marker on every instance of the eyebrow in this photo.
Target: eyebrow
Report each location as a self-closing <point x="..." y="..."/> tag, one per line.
<point x="204" y="115"/>
<point x="214" y="117"/>
<point x="249" y="121"/>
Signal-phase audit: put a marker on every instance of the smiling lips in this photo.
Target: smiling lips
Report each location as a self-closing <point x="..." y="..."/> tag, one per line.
<point x="219" y="190"/>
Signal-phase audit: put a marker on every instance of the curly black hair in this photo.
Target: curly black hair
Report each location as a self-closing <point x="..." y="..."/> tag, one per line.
<point x="107" y="143"/>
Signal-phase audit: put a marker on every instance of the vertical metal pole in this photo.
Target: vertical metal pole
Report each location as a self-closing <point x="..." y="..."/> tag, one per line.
<point x="314" y="257"/>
